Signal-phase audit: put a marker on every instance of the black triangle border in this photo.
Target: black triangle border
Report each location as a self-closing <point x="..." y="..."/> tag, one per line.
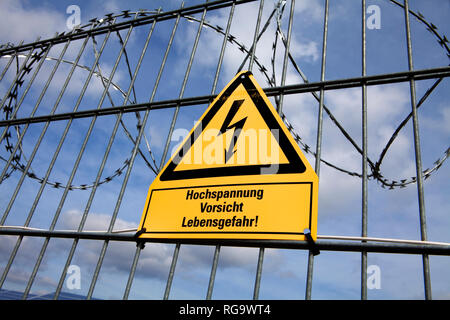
<point x="294" y="165"/>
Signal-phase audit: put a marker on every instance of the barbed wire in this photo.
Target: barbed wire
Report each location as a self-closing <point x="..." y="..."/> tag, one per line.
<point x="10" y="108"/>
<point x="375" y="167"/>
<point x="271" y="80"/>
<point x="11" y="105"/>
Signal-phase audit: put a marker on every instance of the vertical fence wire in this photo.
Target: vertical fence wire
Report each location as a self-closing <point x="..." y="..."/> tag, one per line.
<point x="113" y="134"/>
<point x="11" y="157"/>
<point x="310" y="268"/>
<point x="47" y="174"/>
<point x="169" y="138"/>
<point x="258" y="274"/>
<point x="255" y="36"/>
<point x="82" y="149"/>
<point x="19" y="183"/>
<point x="215" y="262"/>
<point x="75" y="166"/>
<point x="41" y="136"/>
<point x="7" y="94"/>
<point x="155" y="87"/>
<point x="140" y="247"/>
<point x="364" y="157"/>
<point x="418" y="157"/>
<point x="6" y="68"/>
<point x="250" y="66"/>
<point x="286" y="55"/>
<point x="118" y="121"/>
<point x="137" y="253"/>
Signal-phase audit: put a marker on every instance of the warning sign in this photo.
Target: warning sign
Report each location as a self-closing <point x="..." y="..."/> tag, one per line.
<point x="237" y="175"/>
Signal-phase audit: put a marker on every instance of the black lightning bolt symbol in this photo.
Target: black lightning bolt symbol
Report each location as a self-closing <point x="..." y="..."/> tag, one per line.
<point x="237" y="126"/>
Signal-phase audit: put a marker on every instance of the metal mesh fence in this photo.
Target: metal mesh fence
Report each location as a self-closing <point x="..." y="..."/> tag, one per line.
<point x="91" y="115"/>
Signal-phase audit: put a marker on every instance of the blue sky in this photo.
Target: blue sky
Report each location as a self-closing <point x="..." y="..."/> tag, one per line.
<point x="392" y="213"/>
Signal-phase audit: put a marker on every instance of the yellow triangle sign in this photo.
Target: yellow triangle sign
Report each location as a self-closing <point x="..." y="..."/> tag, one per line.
<point x="238" y="174"/>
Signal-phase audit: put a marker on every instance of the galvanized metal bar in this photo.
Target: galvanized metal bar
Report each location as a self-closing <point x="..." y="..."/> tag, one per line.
<point x="122" y="49"/>
<point x="322" y="95"/>
<point x="13" y="152"/>
<point x="19" y="142"/>
<point x="74" y="245"/>
<point x="261" y="250"/>
<point x="66" y="130"/>
<point x="279" y="110"/>
<point x="169" y="138"/>
<point x="85" y="141"/>
<point x="310" y="268"/>
<point x="132" y="272"/>
<point x="212" y="276"/>
<point x="139" y="247"/>
<point x="381" y="79"/>
<point x="286" y="56"/>
<point x="106" y="154"/>
<point x="266" y="25"/>
<point x="8" y="64"/>
<point x="114" y="131"/>
<point x="259" y="267"/>
<point x="418" y="157"/>
<point x="102" y="165"/>
<point x="258" y="274"/>
<point x="222" y="50"/>
<point x="80" y="34"/>
<point x="183" y="87"/>
<point x="19" y="72"/>
<point x="65" y="268"/>
<point x="172" y="271"/>
<point x="88" y="133"/>
<point x="215" y="262"/>
<point x="47" y="174"/>
<point x="323" y="245"/>
<point x="161" y="69"/>
<point x="19" y="183"/>
<point x="364" y="157"/>
<point x="125" y="181"/>
<point x="6" y="68"/>
<point x="255" y="36"/>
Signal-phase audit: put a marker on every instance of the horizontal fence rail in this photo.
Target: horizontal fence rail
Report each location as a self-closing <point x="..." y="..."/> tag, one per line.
<point x="276" y="91"/>
<point x="81" y="34"/>
<point x="389" y="245"/>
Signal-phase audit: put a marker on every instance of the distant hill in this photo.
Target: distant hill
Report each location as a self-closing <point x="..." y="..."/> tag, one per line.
<point x="17" y="295"/>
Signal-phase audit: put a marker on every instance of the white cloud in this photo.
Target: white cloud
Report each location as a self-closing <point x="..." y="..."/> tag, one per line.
<point x="308" y="51"/>
<point x="19" y="273"/>
<point x="19" y="23"/>
<point x="312" y="9"/>
<point x="387" y="107"/>
<point x="440" y="122"/>
<point x="110" y="7"/>
<point x="156" y="258"/>
<point x="94" y="222"/>
<point x="243" y="29"/>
